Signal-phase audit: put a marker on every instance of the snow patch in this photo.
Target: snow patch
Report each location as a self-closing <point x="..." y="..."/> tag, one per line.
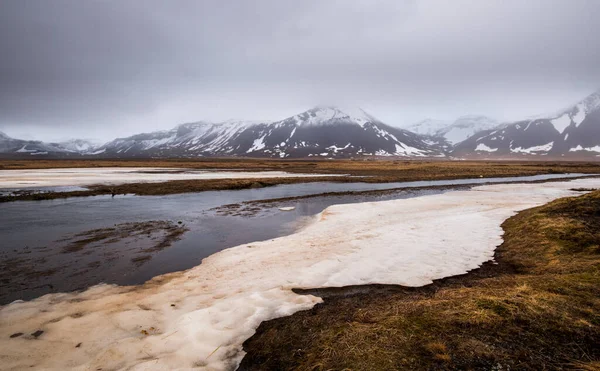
<point x="88" y="176"/>
<point x="257" y="145"/>
<point x="335" y="148"/>
<point x="580" y="148"/>
<point x="561" y="123"/>
<point x="406" y="150"/>
<point x="25" y="150"/>
<point x="483" y="147"/>
<point x="542" y="148"/>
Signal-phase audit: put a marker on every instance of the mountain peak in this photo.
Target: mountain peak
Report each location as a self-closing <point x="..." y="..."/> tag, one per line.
<point x="326" y="114"/>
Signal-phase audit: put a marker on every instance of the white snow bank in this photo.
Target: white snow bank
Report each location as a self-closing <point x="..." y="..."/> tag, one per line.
<point x="580" y="148"/>
<point x="483" y="147"/>
<point x="108" y="175"/>
<point x="200" y="317"/>
<point x="541" y="148"/>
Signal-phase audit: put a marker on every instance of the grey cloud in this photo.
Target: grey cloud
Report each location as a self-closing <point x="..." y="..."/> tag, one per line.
<point x="109" y="68"/>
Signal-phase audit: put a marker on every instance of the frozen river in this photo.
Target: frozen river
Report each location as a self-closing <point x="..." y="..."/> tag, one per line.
<point x="201" y="317"/>
<point x="32" y="233"/>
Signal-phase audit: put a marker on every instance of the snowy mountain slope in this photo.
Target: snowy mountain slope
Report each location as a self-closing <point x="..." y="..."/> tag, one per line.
<point x="574" y="131"/>
<point x="321" y="131"/>
<point x="466" y="126"/>
<point x="453" y="132"/>
<point x="198" y="137"/>
<point x="20" y="147"/>
<point x="82" y="146"/>
<point x="428" y="126"/>
<point x="10" y="145"/>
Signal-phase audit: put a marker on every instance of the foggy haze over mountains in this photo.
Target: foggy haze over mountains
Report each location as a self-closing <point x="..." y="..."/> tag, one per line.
<point x="110" y="69"/>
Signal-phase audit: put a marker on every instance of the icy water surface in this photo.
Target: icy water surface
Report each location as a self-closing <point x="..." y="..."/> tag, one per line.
<point x="34" y="260"/>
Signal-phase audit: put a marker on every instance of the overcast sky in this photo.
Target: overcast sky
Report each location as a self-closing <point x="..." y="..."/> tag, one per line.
<point x="102" y="69"/>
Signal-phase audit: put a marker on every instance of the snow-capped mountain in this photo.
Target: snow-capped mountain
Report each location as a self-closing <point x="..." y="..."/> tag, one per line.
<point x="187" y="139"/>
<point x="328" y="132"/>
<point x="573" y="132"/>
<point x="77" y="145"/>
<point x="428" y="126"/>
<point x="321" y="131"/>
<point x="10" y="145"/>
<point x="20" y="147"/>
<point x="453" y="132"/>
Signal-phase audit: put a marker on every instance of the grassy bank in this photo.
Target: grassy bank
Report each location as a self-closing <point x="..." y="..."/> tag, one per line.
<point x="404" y="169"/>
<point x="368" y="171"/>
<point x="537" y="308"/>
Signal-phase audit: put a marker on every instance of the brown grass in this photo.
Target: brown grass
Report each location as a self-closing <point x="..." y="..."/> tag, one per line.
<point x="368" y="171"/>
<point x="538" y="309"/>
<point x="407" y="168"/>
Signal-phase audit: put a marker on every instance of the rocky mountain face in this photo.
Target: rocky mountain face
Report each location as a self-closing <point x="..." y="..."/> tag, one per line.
<point x="319" y="132"/>
<point x="573" y="132"/>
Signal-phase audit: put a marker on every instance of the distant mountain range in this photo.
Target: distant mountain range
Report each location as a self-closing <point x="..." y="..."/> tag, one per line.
<point x="319" y="132"/>
<point x="333" y="132"/>
<point x="572" y="132"/>
<point x="17" y="147"/>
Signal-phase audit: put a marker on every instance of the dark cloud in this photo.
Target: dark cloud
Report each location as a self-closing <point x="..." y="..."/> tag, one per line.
<point x="107" y="68"/>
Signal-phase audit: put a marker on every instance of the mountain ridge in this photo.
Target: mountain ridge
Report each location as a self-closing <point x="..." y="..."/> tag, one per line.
<point x="324" y="131"/>
<point x="453" y="132"/>
<point x="567" y="133"/>
<point x="327" y="131"/>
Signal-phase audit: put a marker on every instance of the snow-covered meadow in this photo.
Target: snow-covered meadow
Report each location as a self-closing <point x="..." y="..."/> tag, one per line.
<point x="15" y="179"/>
<point x="201" y="317"/>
